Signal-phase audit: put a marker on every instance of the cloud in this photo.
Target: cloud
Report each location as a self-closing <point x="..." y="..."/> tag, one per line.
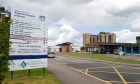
<point x="129" y="12"/>
<point x="83" y="13"/>
<point x="87" y="14"/>
<point x="64" y="33"/>
<point x="126" y="36"/>
<point x="135" y="25"/>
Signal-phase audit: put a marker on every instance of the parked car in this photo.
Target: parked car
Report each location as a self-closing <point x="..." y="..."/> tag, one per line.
<point x="119" y="52"/>
<point x="105" y="51"/>
<point x="95" y="50"/>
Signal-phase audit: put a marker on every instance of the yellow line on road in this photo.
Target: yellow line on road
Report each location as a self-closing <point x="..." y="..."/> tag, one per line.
<point x="86" y="71"/>
<point x="101" y="67"/>
<point x="103" y="72"/>
<point x="115" y="81"/>
<point x="124" y="81"/>
<point x="90" y="75"/>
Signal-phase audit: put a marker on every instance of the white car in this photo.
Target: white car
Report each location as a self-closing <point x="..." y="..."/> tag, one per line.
<point x="51" y="54"/>
<point x="119" y="52"/>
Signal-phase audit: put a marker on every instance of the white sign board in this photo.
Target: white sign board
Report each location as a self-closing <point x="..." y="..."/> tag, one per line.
<point x="28" y="34"/>
<point x="27" y="64"/>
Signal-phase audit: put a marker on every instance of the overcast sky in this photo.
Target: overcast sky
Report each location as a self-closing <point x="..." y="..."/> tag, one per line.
<point x="69" y="19"/>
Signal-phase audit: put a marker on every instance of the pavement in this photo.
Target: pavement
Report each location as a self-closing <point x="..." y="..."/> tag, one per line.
<point x="83" y="71"/>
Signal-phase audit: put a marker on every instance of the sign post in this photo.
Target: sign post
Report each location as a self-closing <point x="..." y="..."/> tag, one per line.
<point x="28" y="35"/>
<point x="11" y="72"/>
<point x="44" y="73"/>
<point x="29" y="73"/>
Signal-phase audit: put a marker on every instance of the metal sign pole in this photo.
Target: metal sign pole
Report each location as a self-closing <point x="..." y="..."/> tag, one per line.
<point x="12" y="75"/>
<point x="44" y="72"/>
<point x="29" y="73"/>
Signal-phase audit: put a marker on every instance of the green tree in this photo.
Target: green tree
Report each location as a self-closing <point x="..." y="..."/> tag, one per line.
<point x="4" y="46"/>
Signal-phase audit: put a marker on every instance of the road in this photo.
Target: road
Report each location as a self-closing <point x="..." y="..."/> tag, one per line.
<point x="71" y="70"/>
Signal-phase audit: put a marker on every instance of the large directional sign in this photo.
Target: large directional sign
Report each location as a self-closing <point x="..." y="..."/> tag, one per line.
<point x="28" y="37"/>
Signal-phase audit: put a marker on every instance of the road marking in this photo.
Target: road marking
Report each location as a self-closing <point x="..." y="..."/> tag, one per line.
<point x="114" y="72"/>
<point x="90" y="75"/>
<point x="115" y="81"/>
<point x="86" y="71"/>
<point x="124" y="81"/>
<point x="103" y="72"/>
<point x="108" y="82"/>
<point x="101" y="67"/>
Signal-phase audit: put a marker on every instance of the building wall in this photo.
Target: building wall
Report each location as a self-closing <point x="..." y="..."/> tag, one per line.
<point x="138" y="39"/>
<point x="86" y="39"/>
<point x="113" y="38"/>
<point x="98" y="39"/>
<point x="106" y="38"/>
<point x="66" y="48"/>
<point x="93" y="39"/>
<point x="102" y="37"/>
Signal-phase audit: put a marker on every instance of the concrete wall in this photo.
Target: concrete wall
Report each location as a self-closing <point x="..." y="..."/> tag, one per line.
<point x="86" y="39"/>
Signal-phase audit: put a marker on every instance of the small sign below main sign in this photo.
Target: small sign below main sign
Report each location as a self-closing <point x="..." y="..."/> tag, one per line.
<point x="27" y="64"/>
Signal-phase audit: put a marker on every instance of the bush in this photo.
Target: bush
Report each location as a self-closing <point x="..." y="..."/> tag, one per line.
<point x="4" y="46"/>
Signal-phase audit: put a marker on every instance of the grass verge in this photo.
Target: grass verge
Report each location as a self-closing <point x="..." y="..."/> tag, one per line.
<point x="101" y="57"/>
<point x="21" y="77"/>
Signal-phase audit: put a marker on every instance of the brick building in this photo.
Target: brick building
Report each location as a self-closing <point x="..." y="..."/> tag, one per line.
<point x="106" y="42"/>
<point x="102" y="37"/>
<point x="65" y="47"/>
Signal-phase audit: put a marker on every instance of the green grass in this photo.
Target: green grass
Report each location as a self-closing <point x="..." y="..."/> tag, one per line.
<point x="21" y="77"/>
<point x="102" y="57"/>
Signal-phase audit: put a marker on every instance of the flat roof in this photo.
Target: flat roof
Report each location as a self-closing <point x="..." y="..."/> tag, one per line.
<point x="66" y="43"/>
<point x="138" y="37"/>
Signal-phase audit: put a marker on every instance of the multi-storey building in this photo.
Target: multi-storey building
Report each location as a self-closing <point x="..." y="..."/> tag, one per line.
<point x="102" y="37"/>
<point x="106" y="43"/>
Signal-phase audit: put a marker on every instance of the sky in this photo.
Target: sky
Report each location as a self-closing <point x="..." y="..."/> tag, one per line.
<point x="69" y="19"/>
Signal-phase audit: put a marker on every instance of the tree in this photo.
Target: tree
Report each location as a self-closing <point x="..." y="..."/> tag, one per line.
<point x="2" y="9"/>
<point x="4" y="46"/>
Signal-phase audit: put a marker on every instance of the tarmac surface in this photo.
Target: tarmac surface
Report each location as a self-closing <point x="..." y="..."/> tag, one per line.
<point x="67" y="75"/>
<point x="105" y="72"/>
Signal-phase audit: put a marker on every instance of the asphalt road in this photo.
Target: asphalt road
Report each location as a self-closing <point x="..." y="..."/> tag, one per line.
<point x="93" y="71"/>
<point x="69" y="76"/>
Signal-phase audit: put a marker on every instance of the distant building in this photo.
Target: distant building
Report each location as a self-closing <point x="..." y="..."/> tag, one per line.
<point x="65" y="47"/>
<point x="138" y="39"/>
<point x="102" y="37"/>
<point x="106" y="42"/>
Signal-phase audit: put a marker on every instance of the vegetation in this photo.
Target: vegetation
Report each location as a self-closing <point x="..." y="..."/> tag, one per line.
<point x="21" y="77"/>
<point x="4" y="46"/>
<point x="102" y="57"/>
